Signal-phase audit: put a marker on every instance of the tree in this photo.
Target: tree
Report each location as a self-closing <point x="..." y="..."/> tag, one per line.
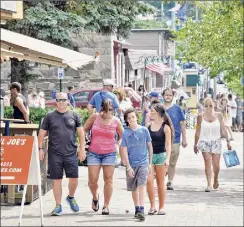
<point x="215" y="42"/>
<point x="110" y="17"/>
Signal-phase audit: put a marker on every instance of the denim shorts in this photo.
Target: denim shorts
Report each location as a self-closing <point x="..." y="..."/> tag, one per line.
<point x="109" y="159"/>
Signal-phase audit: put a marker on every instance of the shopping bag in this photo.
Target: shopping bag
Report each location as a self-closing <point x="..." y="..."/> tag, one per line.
<point x="231" y="158"/>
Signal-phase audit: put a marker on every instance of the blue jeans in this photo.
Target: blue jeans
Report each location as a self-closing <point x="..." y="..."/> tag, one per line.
<point x="109" y="159"/>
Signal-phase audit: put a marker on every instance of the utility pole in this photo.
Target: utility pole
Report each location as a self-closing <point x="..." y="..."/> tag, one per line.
<point x="162" y="10"/>
<point x="196" y="12"/>
<point x="173" y="28"/>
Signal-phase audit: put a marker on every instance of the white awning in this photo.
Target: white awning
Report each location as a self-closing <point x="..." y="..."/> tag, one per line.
<point x="27" y="48"/>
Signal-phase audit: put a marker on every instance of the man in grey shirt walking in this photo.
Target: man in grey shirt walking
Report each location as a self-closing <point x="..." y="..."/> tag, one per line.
<point x="61" y="126"/>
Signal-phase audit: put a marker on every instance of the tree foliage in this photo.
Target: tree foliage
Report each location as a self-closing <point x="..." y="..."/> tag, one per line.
<point x="217" y="40"/>
<point x="110" y="17"/>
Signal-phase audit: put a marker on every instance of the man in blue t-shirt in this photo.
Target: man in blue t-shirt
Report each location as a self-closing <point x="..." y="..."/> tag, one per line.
<point x="105" y="93"/>
<point x="178" y="120"/>
<point x="70" y="96"/>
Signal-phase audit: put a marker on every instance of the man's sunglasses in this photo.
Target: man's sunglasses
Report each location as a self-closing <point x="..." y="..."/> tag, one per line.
<point x="206" y="106"/>
<point x="61" y="100"/>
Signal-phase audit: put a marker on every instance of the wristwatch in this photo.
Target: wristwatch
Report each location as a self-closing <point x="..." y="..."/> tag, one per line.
<point x="41" y="148"/>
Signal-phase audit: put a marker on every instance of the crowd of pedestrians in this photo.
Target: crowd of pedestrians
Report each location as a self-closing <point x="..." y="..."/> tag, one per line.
<point x="149" y="151"/>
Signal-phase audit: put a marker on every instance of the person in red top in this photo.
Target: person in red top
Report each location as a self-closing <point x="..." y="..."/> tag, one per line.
<point x="104" y="127"/>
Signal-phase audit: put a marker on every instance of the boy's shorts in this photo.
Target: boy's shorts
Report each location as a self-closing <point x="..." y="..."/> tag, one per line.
<point x="140" y="178"/>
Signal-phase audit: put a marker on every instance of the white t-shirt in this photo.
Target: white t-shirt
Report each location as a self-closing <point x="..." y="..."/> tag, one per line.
<point x="232" y="103"/>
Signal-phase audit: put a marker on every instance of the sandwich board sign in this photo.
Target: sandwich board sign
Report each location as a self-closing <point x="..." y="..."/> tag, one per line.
<point x="20" y="165"/>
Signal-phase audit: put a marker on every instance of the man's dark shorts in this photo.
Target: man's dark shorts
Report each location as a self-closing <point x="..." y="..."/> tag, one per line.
<point x="57" y="164"/>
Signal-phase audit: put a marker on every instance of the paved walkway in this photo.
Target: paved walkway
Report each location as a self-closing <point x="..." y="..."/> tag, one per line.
<point x="187" y="205"/>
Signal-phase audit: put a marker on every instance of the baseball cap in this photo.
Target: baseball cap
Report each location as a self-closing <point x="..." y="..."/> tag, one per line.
<point x="108" y="82"/>
<point x="154" y="94"/>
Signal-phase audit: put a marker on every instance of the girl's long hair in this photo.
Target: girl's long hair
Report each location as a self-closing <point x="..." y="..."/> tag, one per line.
<point x="166" y="118"/>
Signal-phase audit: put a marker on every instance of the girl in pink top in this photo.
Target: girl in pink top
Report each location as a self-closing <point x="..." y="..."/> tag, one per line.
<point x="104" y="127"/>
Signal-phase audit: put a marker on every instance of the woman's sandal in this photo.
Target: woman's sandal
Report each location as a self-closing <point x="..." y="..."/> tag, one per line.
<point x="207" y="189"/>
<point x="105" y="211"/>
<point x="96" y="203"/>
<point x="161" y="212"/>
<point x="216" y="185"/>
<point x="152" y="212"/>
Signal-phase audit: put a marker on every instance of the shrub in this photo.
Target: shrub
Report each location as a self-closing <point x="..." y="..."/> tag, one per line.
<point x="36" y="114"/>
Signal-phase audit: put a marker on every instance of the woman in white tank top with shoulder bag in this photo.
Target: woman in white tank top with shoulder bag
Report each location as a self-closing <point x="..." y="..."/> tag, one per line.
<point x="210" y="127"/>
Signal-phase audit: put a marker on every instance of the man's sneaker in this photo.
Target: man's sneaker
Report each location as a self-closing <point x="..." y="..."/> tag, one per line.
<point x="57" y="211"/>
<point x="140" y="216"/>
<point x="170" y="186"/>
<point x="72" y="203"/>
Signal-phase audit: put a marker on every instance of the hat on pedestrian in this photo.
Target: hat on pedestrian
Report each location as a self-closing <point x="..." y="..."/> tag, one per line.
<point x="154" y="94"/>
<point x="108" y="82"/>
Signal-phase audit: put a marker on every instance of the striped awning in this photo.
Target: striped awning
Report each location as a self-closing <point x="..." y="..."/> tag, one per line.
<point x="158" y="67"/>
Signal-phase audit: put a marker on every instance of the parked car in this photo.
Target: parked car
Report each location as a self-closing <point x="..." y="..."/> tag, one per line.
<point x="83" y="96"/>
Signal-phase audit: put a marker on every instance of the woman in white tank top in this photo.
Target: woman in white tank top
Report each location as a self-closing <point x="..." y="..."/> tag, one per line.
<point x="210" y="127"/>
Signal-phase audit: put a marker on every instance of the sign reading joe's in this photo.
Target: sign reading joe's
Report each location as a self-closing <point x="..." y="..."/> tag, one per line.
<point x="16" y="152"/>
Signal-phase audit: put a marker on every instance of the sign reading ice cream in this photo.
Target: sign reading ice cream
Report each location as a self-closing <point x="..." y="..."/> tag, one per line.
<point x="16" y="152"/>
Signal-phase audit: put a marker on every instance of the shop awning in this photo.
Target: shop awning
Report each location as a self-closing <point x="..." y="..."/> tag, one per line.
<point x="135" y="58"/>
<point x="27" y="48"/>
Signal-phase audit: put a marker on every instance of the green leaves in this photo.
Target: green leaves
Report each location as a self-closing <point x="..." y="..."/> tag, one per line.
<point x="112" y="16"/>
<point x="217" y="40"/>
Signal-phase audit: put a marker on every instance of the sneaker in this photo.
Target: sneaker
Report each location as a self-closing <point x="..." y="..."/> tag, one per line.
<point x="140" y="216"/>
<point x="170" y="186"/>
<point x="57" y="211"/>
<point x="136" y="213"/>
<point x="72" y="203"/>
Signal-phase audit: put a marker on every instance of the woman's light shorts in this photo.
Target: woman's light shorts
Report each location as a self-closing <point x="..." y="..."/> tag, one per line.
<point x="214" y="147"/>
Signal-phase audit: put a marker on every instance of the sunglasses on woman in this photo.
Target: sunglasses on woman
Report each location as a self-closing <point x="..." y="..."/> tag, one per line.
<point x="206" y="106"/>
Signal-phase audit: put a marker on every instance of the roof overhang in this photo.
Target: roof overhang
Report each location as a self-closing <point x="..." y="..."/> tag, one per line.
<point x="27" y="48"/>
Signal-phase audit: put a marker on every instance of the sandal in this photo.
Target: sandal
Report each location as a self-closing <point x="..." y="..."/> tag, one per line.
<point x="152" y="212"/>
<point x="207" y="189"/>
<point x="105" y="211"/>
<point x="96" y="203"/>
<point x="216" y="185"/>
<point x="161" y="212"/>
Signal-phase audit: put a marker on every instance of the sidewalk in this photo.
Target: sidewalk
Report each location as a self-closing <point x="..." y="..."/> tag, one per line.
<point x="187" y="205"/>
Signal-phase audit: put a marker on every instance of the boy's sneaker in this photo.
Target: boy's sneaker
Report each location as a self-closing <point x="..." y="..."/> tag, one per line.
<point x="72" y="203"/>
<point x="57" y="211"/>
<point x="140" y="216"/>
<point x="170" y="186"/>
<point x="136" y="213"/>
